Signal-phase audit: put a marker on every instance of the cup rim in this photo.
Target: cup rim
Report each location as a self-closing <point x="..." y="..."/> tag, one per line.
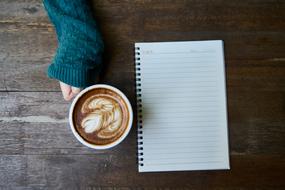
<point x="121" y="138"/>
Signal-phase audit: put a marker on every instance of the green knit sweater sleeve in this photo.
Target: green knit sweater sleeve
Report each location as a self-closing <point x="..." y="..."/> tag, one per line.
<point x="78" y="58"/>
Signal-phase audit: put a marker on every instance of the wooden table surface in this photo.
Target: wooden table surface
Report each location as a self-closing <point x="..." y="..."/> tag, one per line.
<point x="37" y="148"/>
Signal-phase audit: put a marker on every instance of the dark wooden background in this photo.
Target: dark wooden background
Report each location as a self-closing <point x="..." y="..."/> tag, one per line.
<point x="37" y="148"/>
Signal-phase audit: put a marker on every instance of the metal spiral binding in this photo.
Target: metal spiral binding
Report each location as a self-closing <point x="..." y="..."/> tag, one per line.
<point x="139" y="106"/>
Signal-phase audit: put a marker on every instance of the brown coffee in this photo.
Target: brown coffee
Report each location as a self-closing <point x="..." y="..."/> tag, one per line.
<point x="100" y="116"/>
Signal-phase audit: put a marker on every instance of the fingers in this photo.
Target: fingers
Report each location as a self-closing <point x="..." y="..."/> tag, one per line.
<point x="75" y="91"/>
<point x="68" y="92"/>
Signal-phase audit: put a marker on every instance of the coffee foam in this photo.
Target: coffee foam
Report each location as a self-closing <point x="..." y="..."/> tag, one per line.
<point x="101" y="116"/>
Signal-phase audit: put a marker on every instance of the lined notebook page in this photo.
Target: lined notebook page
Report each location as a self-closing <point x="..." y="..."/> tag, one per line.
<point x="183" y="106"/>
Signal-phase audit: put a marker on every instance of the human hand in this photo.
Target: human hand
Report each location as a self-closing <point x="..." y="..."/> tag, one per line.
<point x="68" y="91"/>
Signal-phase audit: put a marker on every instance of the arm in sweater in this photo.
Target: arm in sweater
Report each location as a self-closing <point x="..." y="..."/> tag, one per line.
<point x="78" y="58"/>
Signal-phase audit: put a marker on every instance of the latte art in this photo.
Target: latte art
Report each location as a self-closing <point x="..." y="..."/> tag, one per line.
<point x="101" y="116"/>
<point x="104" y="117"/>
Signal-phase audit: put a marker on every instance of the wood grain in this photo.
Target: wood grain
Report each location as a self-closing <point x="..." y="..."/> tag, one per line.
<point x="13" y="170"/>
<point x="94" y="171"/>
<point x="37" y="148"/>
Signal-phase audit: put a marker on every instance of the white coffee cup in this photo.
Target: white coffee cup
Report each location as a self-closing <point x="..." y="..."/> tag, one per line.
<point x="121" y="138"/>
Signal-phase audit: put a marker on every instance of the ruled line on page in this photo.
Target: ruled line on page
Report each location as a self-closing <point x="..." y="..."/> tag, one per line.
<point x="200" y="68"/>
<point x="187" y="152"/>
<point x="182" y="160"/>
<point x="172" y="100"/>
<point x="201" y="105"/>
<point x="187" y="157"/>
<point x="200" y="63"/>
<point x="204" y="118"/>
<point x="174" y="111"/>
<point x="192" y="103"/>
<point x="172" y="97"/>
<point x="166" y="131"/>
<point x="180" y="137"/>
<point x="185" y="65"/>
<point x="165" y="159"/>
<point x="181" y="110"/>
<point x="187" y="77"/>
<point x="206" y="91"/>
<point x="173" y="57"/>
<point x="152" y="127"/>
<point x="181" y="52"/>
<point x="189" y="91"/>
<point x="194" y="127"/>
<point x="153" y="139"/>
<point x="173" y="163"/>
<point x="184" y="83"/>
<point x="180" y="120"/>
<point x="196" y="121"/>
<point x="181" y="72"/>
<point x="181" y="82"/>
<point x="180" y="141"/>
<point x="186" y="145"/>
<point x="151" y="116"/>
<point x="196" y="94"/>
<point x="168" y="76"/>
<point x="182" y="133"/>
<point x="184" y="112"/>
<point x="184" y="80"/>
<point x="208" y="87"/>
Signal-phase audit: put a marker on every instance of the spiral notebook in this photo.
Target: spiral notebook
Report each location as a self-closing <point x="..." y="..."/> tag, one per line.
<point x="181" y="105"/>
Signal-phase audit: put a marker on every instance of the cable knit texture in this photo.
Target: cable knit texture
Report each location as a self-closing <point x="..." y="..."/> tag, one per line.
<point x="78" y="58"/>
